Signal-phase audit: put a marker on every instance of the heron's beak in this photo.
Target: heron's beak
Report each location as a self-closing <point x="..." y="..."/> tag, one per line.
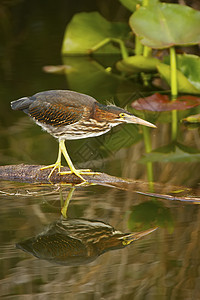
<point x="135" y="120"/>
<point x="128" y="239"/>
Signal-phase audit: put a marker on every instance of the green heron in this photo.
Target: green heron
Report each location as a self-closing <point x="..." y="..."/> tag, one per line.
<point x="69" y="115"/>
<point x="78" y="241"/>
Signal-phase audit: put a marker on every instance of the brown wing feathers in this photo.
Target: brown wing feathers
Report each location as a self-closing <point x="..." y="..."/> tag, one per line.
<point x="55" y="114"/>
<point x="49" y="111"/>
<point x="56" y="107"/>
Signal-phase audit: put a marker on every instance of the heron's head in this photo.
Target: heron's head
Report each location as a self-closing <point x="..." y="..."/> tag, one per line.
<point x="116" y="115"/>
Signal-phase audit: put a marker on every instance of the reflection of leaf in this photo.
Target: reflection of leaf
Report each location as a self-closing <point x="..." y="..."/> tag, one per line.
<point x="164" y="25"/>
<point x="138" y="63"/>
<point x="184" y="86"/>
<point x="158" y="102"/>
<point x="192" y="119"/>
<point x="87" y="30"/>
<point x="172" y="153"/>
<point x="189" y="65"/>
<point x="149" y="214"/>
<point x="91" y="78"/>
<point x="62" y="69"/>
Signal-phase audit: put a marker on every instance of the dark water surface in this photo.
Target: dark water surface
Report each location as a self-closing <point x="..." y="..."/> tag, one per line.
<point x="162" y="265"/>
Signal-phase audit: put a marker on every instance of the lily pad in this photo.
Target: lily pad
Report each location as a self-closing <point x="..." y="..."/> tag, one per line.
<point x="189" y="65"/>
<point x="184" y="85"/>
<point x="194" y="119"/>
<point x="86" y="30"/>
<point x="164" y="25"/>
<point x="87" y="75"/>
<point x="131" y="4"/>
<point x="138" y="63"/>
<point x="172" y="153"/>
<point x="158" y="102"/>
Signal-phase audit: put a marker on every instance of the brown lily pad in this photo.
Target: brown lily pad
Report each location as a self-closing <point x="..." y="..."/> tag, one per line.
<point x="158" y="102"/>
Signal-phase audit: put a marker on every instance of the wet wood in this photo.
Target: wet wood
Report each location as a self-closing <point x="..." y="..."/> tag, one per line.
<point x="34" y="174"/>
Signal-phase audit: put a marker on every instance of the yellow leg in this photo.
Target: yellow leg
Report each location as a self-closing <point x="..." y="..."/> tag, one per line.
<point x="68" y="160"/>
<point x="66" y="204"/>
<point x="70" y="164"/>
<point x="57" y="165"/>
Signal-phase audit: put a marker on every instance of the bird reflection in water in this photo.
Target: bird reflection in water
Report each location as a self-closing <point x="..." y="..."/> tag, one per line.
<point x="77" y="241"/>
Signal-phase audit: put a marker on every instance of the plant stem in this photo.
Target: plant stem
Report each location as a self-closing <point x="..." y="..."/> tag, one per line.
<point x="174" y="125"/>
<point x="174" y="92"/>
<point x="149" y="165"/>
<point x="147" y="139"/>
<point x="138" y="46"/>
<point x="147" y="51"/>
<point x="121" y="44"/>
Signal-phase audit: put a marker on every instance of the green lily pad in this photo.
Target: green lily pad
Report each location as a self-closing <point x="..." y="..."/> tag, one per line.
<point x="86" y="30"/>
<point x="184" y="85"/>
<point x="189" y="65"/>
<point x="87" y="75"/>
<point x="164" y="25"/>
<point x="172" y="153"/>
<point x="131" y="4"/>
<point x="192" y="119"/>
<point x="138" y="63"/>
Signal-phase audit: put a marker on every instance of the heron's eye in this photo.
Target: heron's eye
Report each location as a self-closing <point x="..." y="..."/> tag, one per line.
<point x="122" y="115"/>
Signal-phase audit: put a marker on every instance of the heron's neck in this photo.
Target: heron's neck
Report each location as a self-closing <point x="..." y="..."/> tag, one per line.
<point x="103" y="113"/>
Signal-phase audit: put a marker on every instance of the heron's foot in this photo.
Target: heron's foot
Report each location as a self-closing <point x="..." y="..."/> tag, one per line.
<point x="88" y="172"/>
<point x="76" y="172"/>
<point x="79" y="173"/>
<point x="55" y="166"/>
